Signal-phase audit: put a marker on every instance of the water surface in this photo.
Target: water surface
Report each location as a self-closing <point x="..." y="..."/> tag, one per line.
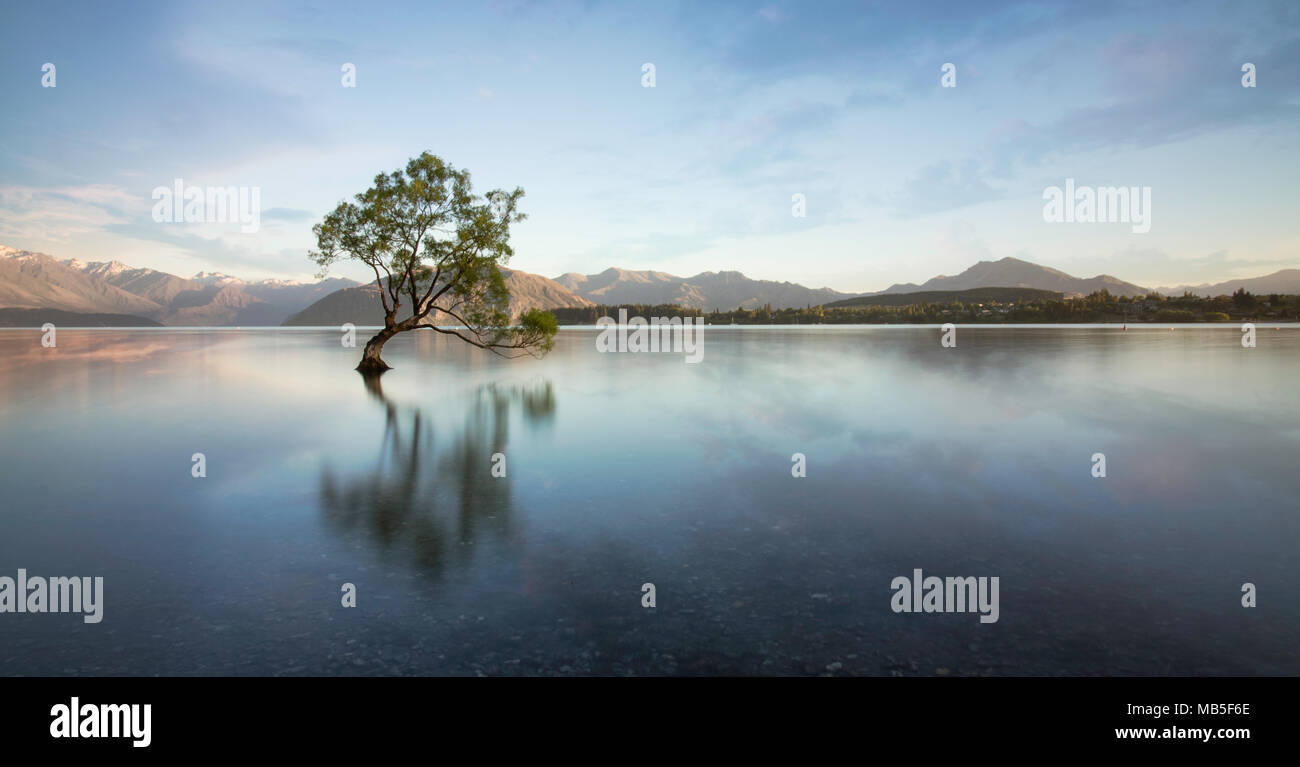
<point x="625" y="469"/>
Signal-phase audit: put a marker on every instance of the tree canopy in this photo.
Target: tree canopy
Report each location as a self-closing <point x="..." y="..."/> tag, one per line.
<point x="435" y="249"/>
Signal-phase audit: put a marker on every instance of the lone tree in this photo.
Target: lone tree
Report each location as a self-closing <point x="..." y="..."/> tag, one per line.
<point x="435" y="248"/>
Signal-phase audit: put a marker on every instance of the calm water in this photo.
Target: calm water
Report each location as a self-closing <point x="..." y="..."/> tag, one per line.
<point x="624" y="469"/>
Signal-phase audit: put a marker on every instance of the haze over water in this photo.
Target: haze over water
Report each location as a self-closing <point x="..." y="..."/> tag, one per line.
<point x="624" y="469"/>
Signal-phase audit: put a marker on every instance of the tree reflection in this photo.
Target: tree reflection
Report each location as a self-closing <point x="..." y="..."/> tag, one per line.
<point x="438" y="503"/>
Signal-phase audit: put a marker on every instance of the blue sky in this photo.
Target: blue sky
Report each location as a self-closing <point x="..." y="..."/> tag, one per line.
<point x="752" y="104"/>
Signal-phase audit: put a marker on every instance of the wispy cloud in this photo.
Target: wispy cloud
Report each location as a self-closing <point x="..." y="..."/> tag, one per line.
<point x="944" y="186"/>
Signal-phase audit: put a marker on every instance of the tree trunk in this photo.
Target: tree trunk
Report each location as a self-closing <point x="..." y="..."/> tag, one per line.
<point x="371" y="362"/>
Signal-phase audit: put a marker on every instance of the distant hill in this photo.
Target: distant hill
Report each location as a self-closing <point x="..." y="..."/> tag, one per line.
<point x="210" y="299"/>
<point x="972" y="296"/>
<point x="362" y="306"/>
<point x="37" y="280"/>
<point x="706" y="290"/>
<point x="35" y="318"/>
<point x="1015" y="273"/>
<point x="1284" y="281"/>
<point x="159" y="287"/>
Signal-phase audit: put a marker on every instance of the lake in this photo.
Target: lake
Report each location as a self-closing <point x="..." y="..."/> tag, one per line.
<point x="629" y="469"/>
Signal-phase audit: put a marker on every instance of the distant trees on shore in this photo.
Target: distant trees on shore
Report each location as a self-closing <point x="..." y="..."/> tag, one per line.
<point x="1101" y="306"/>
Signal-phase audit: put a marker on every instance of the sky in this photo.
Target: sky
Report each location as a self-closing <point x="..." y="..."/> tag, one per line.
<point x="901" y="178"/>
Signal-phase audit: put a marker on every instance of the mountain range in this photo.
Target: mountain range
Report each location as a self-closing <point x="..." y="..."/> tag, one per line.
<point x="706" y="290"/>
<point x="38" y="281"/>
<point x="1015" y="273"/>
<point x="361" y="305"/>
<point x="1283" y="281"/>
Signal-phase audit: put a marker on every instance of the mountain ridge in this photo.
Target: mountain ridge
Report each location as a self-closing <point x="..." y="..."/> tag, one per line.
<point x="361" y="304"/>
<point x="728" y="289"/>
<point x="1016" y="273"/>
<point x="30" y="280"/>
<point x="1281" y="281"/>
